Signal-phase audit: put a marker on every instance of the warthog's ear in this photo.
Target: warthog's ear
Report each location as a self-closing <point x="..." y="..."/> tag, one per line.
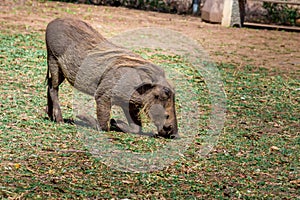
<point x="144" y="88"/>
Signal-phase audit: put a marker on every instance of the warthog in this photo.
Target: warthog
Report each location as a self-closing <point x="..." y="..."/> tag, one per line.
<point x="112" y="74"/>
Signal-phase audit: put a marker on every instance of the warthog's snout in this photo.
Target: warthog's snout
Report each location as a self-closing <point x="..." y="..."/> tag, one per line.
<point x="169" y="131"/>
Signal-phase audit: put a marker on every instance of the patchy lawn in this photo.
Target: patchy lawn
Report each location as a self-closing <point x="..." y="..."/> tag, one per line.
<point x="257" y="155"/>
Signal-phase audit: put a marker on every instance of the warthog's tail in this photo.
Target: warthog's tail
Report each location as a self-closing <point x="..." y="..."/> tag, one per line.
<point x="48" y="78"/>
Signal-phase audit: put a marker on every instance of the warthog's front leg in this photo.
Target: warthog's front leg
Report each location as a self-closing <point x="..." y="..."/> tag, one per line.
<point x="134" y="123"/>
<point x="103" y="113"/>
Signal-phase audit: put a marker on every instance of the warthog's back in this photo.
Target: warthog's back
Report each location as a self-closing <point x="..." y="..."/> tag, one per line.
<point x="69" y="41"/>
<point x="63" y="34"/>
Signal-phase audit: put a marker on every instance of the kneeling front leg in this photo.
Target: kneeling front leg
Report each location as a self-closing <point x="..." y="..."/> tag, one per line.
<point x="103" y="108"/>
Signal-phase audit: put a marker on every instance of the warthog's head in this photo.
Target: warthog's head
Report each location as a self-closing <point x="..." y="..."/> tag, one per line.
<point x="159" y="105"/>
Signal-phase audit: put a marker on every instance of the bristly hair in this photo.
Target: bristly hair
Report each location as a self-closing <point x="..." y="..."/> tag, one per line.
<point x="144" y="111"/>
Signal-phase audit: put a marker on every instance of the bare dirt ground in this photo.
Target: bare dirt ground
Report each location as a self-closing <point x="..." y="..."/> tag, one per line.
<point x="276" y="50"/>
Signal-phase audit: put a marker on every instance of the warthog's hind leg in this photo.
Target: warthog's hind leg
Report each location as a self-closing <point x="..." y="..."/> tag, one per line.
<point x="53" y="108"/>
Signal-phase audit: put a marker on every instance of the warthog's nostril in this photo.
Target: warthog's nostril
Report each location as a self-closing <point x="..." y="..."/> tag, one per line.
<point x="175" y="136"/>
<point x="168" y="128"/>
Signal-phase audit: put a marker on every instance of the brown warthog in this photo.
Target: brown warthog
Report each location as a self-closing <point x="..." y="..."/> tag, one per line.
<point x="112" y="74"/>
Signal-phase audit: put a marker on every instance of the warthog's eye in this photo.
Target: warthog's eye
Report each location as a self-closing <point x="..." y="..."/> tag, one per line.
<point x="165" y="93"/>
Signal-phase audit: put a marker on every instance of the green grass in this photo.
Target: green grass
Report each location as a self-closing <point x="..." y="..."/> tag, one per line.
<point x="257" y="156"/>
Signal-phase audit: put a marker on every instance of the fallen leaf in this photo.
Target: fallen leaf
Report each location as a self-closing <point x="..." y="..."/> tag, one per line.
<point x="296" y="182"/>
<point x="274" y="148"/>
<point x="17" y="166"/>
<point x="127" y="182"/>
<point x="51" y="171"/>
